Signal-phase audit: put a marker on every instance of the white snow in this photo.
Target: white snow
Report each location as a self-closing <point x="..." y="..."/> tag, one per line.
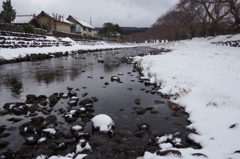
<point x="22" y="19"/>
<point x="80" y="148"/>
<point x="51" y="38"/>
<point x="205" y="79"/>
<point x="67" y="39"/>
<point x="77" y="127"/>
<point x="41" y="157"/>
<point x="42" y="139"/>
<point x="9" y="54"/>
<point x="149" y="155"/>
<point x="68" y="156"/>
<point x="103" y="122"/>
<point x="80" y="156"/>
<point x="49" y="130"/>
<point x="60" y="157"/>
<point x="165" y="146"/>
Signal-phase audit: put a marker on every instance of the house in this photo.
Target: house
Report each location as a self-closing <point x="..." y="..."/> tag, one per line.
<point x="54" y="22"/>
<point x="27" y="19"/>
<point x="80" y="27"/>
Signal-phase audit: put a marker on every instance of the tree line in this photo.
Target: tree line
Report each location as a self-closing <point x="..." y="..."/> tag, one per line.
<point x="195" y="18"/>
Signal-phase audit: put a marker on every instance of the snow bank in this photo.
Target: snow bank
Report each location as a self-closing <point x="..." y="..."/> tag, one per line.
<point x="51" y="38"/>
<point x="103" y="122"/>
<point x="67" y="39"/>
<point x="204" y="78"/>
<point x="8" y="54"/>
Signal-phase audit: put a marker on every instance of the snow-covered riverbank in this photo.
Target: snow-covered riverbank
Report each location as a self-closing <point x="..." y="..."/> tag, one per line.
<point x="11" y="53"/>
<point x="205" y="79"/>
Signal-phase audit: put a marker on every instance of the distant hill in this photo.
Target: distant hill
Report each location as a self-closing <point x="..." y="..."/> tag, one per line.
<point x="129" y="30"/>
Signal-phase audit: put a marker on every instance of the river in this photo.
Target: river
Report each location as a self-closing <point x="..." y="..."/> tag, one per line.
<point x="91" y="78"/>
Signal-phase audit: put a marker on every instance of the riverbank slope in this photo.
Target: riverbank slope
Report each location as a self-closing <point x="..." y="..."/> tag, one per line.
<point x="203" y="75"/>
<point x="14" y="47"/>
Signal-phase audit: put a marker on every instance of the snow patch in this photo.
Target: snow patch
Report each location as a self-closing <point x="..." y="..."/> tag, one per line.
<point x="103" y="122"/>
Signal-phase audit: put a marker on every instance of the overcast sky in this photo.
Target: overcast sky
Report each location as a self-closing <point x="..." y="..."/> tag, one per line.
<point x="129" y="13"/>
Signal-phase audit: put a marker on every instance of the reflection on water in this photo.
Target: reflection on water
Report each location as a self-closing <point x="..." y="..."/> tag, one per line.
<point x="13" y="84"/>
<point x="50" y="76"/>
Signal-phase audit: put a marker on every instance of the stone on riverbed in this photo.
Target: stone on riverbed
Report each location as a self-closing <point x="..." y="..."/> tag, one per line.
<point x="143" y="125"/>
<point x="32" y="139"/>
<point x="115" y="78"/>
<point x="103" y="122"/>
<point x="125" y="132"/>
<point x="72" y="93"/>
<point x="18" y="108"/>
<point x="86" y="103"/>
<point x="15" y="120"/>
<point x="31" y="98"/>
<point x="140" y="110"/>
<point x="72" y="102"/>
<point x="53" y="99"/>
<point x="3" y="143"/>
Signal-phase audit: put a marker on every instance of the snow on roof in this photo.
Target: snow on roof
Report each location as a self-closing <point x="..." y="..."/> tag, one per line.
<point x="61" y="20"/>
<point x="23" y="19"/>
<point x="83" y="23"/>
<point x="66" y="21"/>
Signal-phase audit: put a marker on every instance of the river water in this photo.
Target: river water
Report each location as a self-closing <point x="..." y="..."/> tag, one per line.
<point x="90" y="78"/>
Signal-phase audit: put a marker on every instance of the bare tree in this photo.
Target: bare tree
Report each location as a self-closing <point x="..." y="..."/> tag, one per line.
<point x="195" y="18"/>
<point x="188" y="15"/>
<point x="235" y="11"/>
<point x="216" y="10"/>
<point x="56" y="18"/>
<point x="169" y="25"/>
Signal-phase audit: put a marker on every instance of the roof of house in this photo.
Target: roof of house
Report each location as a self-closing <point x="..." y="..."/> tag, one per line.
<point x="81" y="22"/>
<point x="62" y="19"/>
<point x="23" y="19"/>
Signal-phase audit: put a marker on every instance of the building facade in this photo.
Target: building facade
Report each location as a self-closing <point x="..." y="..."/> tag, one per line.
<point x="80" y="27"/>
<point x="54" y="22"/>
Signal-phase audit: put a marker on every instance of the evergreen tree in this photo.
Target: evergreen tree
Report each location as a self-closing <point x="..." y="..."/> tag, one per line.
<point x="110" y="30"/>
<point x="8" y="14"/>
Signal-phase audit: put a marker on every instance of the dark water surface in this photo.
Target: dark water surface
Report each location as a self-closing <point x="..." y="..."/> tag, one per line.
<point x="88" y="78"/>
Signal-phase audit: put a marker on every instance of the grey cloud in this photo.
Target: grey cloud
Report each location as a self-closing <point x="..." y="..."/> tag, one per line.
<point x="139" y="13"/>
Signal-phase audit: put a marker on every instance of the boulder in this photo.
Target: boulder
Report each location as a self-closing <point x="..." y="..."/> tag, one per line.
<point x="72" y="93"/>
<point x="86" y="102"/>
<point x="103" y="122"/>
<point x="115" y="78"/>
<point x="18" y="108"/>
<point x="30" y="98"/>
<point x="3" y="143"/>
<point x="53" y="99"/>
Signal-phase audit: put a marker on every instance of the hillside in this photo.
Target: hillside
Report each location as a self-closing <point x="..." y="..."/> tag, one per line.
<point x="129" y="30"/>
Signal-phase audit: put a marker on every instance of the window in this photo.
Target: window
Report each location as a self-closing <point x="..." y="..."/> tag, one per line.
<point x="78" y="28"/>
